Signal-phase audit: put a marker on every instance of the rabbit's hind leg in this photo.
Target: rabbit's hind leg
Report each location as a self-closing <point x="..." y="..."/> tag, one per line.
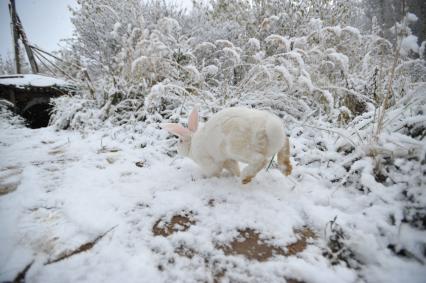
<point x="232" y="166"/>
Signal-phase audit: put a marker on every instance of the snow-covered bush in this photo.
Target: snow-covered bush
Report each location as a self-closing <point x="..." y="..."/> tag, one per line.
<point x="150" y="59"/>
<point x="7" y="117"/>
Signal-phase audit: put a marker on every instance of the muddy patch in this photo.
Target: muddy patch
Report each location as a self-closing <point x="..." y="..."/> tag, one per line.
<point x="179" y="222"/>
<point x="250" y="244"/>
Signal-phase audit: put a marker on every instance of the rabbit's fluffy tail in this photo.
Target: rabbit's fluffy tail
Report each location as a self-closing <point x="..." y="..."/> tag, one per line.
<point x="284" y="158"/>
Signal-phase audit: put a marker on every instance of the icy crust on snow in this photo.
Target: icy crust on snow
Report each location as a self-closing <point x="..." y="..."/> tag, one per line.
<point x="31" y="80"/>
<point x="74" y="186"/>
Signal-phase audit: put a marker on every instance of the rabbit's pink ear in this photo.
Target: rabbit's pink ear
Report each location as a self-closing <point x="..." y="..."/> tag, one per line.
<point x="193" y="120"/>
<point x="177" y="130"/>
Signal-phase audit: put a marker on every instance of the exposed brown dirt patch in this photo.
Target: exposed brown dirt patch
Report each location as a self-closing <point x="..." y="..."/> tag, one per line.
<point x="303" y="235"/>
<point x="179" y="222"/>
<point x="251" y="245"/>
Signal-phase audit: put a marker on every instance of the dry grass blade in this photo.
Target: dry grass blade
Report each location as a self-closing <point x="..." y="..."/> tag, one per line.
<point x="382" y="109"/>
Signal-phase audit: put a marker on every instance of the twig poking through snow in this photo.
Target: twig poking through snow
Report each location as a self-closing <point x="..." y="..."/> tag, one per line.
<point x="20" y="278"/>
<point x="84" y="247"/>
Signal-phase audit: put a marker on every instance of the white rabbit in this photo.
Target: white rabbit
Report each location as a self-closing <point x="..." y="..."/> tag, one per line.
<point x="231" y="135"/>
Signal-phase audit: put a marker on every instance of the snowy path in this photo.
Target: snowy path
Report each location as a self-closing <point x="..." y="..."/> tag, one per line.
<point x="166" y="223"/>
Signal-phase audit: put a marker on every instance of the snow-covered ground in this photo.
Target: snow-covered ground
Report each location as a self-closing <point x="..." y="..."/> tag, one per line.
<point x="97" y="206"/>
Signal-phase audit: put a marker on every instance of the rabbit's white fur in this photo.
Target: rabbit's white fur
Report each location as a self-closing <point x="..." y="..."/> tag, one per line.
<point x="234" y="134"/>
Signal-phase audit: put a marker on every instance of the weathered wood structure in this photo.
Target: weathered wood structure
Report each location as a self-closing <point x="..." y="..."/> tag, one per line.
<point x="31" y="95"/>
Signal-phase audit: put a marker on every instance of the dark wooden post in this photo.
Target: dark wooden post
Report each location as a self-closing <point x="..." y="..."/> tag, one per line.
<point x="28" y="49"/>
<point x="15" y="32"/>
